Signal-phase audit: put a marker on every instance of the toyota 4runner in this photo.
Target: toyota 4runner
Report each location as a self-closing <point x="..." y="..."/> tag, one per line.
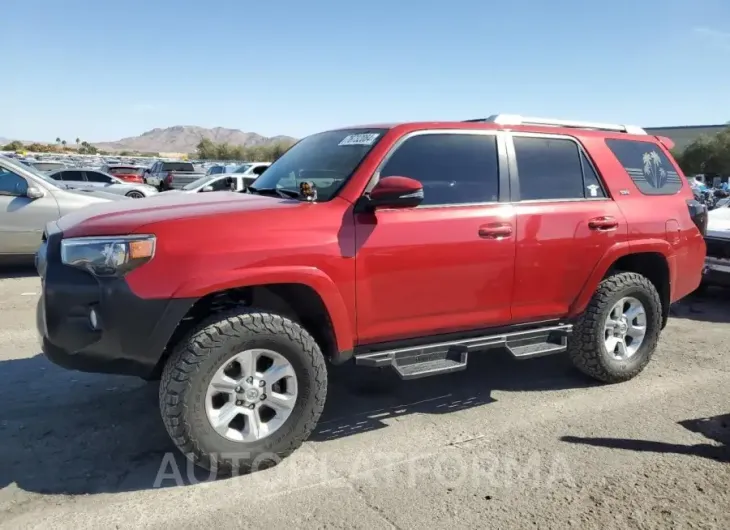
<point x="411" y="246"/>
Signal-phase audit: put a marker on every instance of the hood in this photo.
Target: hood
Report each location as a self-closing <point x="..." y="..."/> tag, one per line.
<point x="127" y="216"/>
<point x="97" y="194"/>
<point x="718" y="223"/>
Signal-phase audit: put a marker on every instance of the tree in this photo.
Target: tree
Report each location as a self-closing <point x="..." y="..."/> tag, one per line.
<point x="58" y="139"/>
<point x="78" y="141"/>
<point x="708" y="155"/>
<point x="14" y="146"/>
<point x="63" y="143"/>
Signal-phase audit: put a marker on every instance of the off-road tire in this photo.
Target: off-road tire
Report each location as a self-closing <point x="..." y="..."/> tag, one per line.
<point x="196" y="358"/>
<point x="586" y="346"/>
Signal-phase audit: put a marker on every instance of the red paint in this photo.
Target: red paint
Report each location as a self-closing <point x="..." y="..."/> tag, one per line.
<point x="408" y="272"/>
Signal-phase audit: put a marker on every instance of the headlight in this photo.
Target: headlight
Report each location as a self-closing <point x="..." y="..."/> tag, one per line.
<point x="108" y="256"/>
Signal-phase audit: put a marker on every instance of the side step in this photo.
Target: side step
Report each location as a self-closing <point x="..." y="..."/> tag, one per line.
<point x="414" y="362"/>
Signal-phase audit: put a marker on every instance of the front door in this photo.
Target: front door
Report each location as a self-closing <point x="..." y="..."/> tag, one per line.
<point x="565" y="224"/>
<point x="447" y="265"/>
<point x="22" y="219"/>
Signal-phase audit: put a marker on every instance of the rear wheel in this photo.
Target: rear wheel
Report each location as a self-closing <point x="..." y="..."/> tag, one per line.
<point x="243" y="391"/>
<point x="616" y="336"/>
<point x="135" y="195"/>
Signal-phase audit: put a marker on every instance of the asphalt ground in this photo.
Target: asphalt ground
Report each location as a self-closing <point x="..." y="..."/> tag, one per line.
<point x="506" y="444"/>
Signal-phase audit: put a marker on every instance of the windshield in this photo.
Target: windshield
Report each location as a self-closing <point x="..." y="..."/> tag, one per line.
<point x="243" y="168"/>
<point x="326" y="160"/>
<point x="202" y="181"/>
<point x="18" y="166"/>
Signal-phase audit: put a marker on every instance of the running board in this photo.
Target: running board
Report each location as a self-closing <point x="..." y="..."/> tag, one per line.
<point x="414" y="362"/>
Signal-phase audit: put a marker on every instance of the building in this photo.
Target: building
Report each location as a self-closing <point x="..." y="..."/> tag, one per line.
<point x="683" y="135"/>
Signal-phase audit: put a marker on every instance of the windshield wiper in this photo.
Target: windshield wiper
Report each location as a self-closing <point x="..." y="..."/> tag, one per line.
<point x="273" y="192"/>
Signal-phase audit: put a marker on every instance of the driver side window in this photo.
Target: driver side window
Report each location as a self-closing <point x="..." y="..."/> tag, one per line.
<point x="11" y="184"/>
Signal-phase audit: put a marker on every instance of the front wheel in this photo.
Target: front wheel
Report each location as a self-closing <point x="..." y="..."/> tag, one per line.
<point x="243" y="391"/>
<point x="615" y="338"/>
<point x="135" y="195"/>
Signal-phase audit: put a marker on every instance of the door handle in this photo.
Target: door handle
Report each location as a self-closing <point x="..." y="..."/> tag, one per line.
<point x="603" y="223"/>
<point x="495" y="230"/>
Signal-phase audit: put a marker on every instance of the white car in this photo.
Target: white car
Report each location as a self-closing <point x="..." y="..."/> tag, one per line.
<point x="251" y="170"/>
<point x="717" y="239"/>
<point x="221" y="182"/>
<point x="93" y="179"/>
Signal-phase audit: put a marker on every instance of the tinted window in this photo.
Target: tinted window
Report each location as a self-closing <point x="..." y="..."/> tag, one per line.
<point x="453" y="168"/>
<point x="178" y="166"/>
<point x="591" y="182"/>
<point x="92" y="176"/>
<point x="70" y="176"/>
<point x="647" y="165"/>
<point x="12" y="184"/>
<point x="549" y="168"/>
<point x="259" y="169"/>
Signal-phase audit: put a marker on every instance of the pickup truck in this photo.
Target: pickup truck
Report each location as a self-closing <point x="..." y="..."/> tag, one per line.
<point x="171" y="175"/>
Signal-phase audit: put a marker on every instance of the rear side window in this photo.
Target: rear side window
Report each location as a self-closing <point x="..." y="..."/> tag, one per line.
<point x="453" y="168"/>
<point x="647" y="165"/>
<point x="554" y="169"/>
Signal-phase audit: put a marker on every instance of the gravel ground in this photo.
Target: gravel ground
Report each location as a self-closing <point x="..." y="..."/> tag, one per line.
<point x="505" y="444"/>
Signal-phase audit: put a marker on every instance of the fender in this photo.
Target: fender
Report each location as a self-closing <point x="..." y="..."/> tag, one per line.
<point x="619" y="250"/>
<point x="312" y="277"/>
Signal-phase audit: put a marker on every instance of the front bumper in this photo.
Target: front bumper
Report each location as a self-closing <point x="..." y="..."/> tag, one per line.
<point x="717" y="262"/>
<point x="131" y="332"/>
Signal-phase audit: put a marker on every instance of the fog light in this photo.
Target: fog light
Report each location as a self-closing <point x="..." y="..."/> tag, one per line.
<point x="93" y="319"/>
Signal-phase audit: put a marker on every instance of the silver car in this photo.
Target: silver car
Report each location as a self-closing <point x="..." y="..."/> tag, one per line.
<point x="87" y="178"/>
<point x="29" y="200"/>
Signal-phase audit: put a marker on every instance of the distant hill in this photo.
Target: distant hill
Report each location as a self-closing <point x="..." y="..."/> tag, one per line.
<point x="185" y="138"/>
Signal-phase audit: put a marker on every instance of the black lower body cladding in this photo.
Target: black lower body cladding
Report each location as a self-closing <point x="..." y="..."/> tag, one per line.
<point x="130" y="333"/>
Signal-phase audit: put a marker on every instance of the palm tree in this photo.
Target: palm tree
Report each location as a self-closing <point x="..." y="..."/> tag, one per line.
<point x="58" y="140"/>
<point x="78" y="141"/>
<point x="63" y="143"/>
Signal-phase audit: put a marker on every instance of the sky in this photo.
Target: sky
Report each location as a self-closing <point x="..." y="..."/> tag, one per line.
<point x="101" y="70"/>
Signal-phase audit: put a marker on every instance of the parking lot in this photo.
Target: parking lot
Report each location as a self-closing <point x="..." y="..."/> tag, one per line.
<point x="505" y="444"/>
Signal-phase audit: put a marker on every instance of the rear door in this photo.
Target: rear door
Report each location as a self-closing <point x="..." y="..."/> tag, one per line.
<point x="565" y="223"/>
<point x="447" y="265"/>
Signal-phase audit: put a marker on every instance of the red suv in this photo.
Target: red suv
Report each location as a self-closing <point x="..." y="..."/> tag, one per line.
<point x="409" y="246"/>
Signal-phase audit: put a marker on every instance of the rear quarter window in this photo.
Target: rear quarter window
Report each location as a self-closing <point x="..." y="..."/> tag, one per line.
<point x="647" y="165"/>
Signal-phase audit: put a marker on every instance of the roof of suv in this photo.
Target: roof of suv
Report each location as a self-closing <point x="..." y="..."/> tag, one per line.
<point x="531" y="124"/>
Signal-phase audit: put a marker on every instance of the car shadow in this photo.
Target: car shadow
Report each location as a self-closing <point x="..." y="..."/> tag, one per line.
<point x="17" y="268"/>
<point x="73" y="433"/>
<point x="716" y="428"/>
<point x="712" y="305"/>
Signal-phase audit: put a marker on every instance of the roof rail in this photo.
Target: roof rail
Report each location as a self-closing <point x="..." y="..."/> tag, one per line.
<point x="516" y="119"/>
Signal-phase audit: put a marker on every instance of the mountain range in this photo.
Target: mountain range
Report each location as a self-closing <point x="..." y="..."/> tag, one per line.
<point x="185" y="138"/>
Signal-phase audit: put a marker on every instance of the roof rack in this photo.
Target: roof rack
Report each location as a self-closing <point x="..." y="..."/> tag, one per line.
<point x="516" y="119"/>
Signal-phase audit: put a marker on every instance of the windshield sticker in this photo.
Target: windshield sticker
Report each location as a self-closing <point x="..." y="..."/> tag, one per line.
<point x="360" y="139"/>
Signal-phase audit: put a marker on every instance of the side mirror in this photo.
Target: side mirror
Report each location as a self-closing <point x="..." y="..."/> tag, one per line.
<point x="34" y="193"/>
<point x="394" y="192"/>
<point x="207" y="188"/>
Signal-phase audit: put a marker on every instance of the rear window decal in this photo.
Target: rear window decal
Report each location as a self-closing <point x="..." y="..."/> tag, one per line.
<point x="360" y="139"/>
